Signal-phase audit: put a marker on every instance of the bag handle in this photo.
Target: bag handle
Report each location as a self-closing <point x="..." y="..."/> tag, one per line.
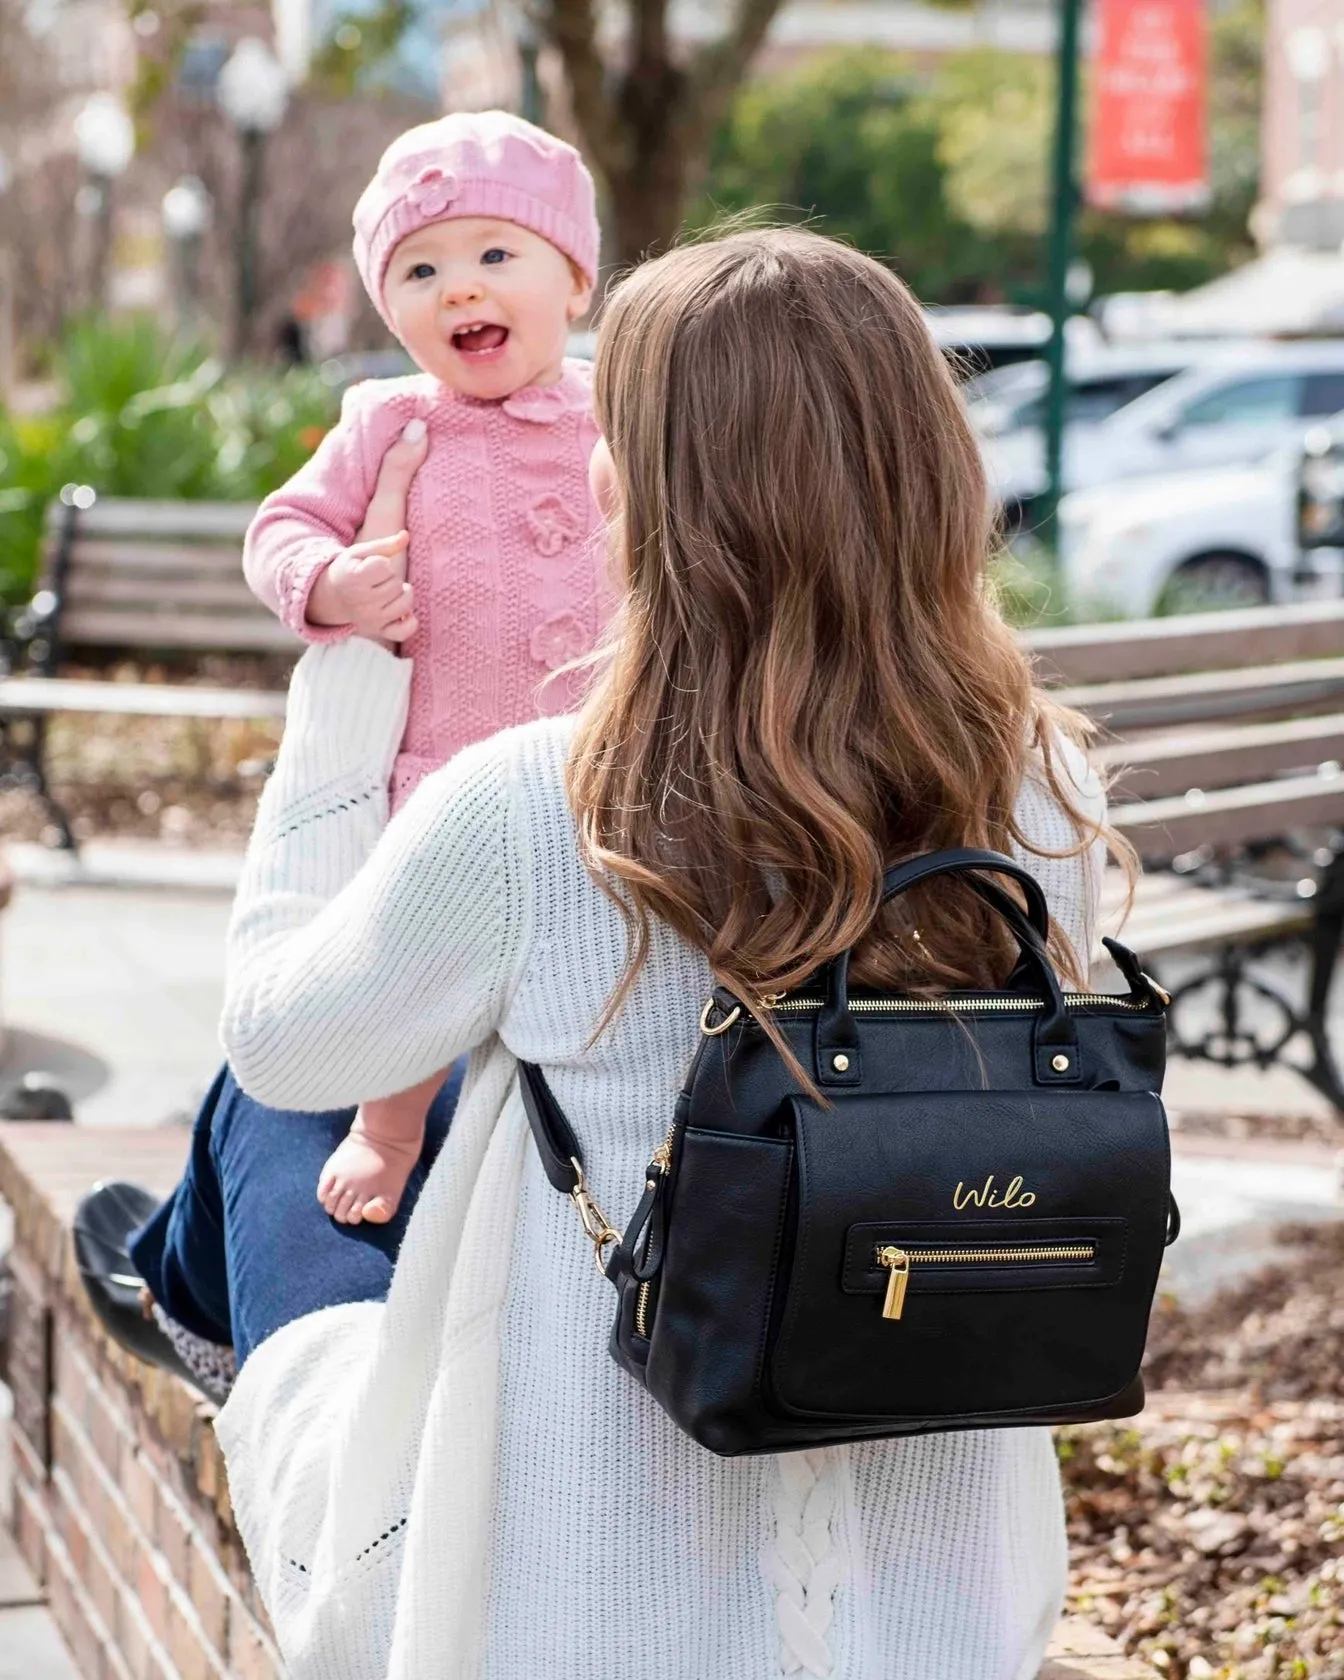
<point x="959" y="859"/>
<point x="837" y="1050"/>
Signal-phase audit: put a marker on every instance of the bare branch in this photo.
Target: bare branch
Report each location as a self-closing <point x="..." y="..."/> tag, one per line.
<point x="648" y="33"/>
<point x="571" y="26"/>
<point x="721" y="64"/>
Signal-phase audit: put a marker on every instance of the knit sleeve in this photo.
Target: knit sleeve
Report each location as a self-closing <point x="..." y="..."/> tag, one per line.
<point x="1072" y="882"/>
<point x="301" y="527"/>
<point x="361" y="958"/>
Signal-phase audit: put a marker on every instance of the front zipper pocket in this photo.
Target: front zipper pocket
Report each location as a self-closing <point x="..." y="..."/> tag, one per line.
<point x="898" y="1263"/>
<point x="907" y="1260"/>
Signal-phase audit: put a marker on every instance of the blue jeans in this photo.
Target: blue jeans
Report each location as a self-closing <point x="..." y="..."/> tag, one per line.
<point x="242" y="1246"/>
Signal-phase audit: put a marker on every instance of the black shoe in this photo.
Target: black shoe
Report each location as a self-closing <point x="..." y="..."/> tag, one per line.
<point x="37" y="1096"/>
<point x="103" y="1222"/>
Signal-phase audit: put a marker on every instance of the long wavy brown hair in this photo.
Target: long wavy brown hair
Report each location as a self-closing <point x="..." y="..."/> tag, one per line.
<point x="809" y="679"/>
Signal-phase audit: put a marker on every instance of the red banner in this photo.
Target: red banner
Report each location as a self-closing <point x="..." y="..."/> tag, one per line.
<point x="1146" y="152"/>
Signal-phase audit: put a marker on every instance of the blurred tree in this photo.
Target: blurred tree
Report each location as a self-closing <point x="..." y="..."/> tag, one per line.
<point x="40" y="177"/>
<point x="854" y="141"/>
<point x="358" y="47"/>
<point x="995" y="114"/>
<point x="648" y="121"/>
<point x="316" y="164"/>
<point x="944" y="173"/>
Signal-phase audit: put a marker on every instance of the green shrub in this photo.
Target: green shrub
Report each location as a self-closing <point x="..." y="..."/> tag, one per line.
<point x="142" y="414"/>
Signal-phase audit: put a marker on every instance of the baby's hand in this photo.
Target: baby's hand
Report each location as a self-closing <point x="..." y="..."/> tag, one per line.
<point x="365" y="586"/>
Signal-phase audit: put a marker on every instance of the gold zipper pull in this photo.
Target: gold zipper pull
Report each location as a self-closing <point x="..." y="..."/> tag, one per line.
<point x="897" y="1263"/>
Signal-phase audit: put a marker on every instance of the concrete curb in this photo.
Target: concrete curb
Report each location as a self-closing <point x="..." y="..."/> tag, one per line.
<point x="126" y="863"/>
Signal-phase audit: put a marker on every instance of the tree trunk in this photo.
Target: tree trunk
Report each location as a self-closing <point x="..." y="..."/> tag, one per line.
<point x="648" y="128"/>
<point x="648" y="192"/>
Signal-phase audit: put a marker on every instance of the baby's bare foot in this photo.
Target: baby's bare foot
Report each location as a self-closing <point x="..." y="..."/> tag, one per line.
<point x="365" y="1176"/>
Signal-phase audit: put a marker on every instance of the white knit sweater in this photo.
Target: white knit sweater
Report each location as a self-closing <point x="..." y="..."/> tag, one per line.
<point x="459" y="1484"/>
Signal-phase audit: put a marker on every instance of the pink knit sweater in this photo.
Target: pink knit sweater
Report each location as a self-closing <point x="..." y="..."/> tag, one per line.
<point x="508" y="581"/>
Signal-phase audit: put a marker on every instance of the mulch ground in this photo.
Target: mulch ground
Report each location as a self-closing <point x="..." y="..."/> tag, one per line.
<point x="185" y="781"/>
<point x="1207" y="1535"/>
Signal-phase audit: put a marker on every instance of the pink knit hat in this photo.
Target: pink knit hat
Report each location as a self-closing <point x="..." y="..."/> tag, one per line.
<point x="475" y="163"/>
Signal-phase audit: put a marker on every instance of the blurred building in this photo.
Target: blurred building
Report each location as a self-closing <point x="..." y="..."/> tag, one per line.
<point x="1302" y="175"/>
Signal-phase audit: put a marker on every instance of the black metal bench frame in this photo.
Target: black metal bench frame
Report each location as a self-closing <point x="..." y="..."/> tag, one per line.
<point x="1232" y="1043"/>
<point x="32" y="648"/>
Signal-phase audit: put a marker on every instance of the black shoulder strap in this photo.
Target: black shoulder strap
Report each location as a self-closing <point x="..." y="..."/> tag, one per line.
<point x="554" y="1136"/>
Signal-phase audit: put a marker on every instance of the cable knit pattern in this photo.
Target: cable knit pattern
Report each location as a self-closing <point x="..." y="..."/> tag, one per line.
<point x="806" y="1563"/>
<point x="508" y="579"/>
<point x="459" y="1484"/>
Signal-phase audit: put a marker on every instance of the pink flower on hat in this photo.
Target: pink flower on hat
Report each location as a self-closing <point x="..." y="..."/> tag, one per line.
<point x="433" y="190"/>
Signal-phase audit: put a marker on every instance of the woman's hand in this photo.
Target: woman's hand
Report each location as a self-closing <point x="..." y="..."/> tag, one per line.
<point x="365" y="586"/>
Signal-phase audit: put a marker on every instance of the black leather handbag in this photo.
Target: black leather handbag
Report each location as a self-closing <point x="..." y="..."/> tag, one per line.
<point x="965" y="1234"/>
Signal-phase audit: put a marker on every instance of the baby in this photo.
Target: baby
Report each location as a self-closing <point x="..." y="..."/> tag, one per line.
<point x="477" y="240"/>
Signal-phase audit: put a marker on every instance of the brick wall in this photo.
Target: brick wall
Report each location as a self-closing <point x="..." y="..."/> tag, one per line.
<point x="121" y="1505"/>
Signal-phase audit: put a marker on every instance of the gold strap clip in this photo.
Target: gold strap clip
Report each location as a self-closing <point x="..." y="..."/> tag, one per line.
<point x="596" y="1226"/>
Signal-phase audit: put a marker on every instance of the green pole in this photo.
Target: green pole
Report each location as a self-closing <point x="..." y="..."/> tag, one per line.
<point x="529" y="48"/>
<point x="1063" y="203"/>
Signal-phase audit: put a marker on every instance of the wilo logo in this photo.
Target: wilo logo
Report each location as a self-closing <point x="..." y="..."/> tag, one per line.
<point x="984" y="1197"/>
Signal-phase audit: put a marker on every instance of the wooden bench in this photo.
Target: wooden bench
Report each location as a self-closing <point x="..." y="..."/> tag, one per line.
<point x="149" y="578"/>
<point x="1224" y="734"/>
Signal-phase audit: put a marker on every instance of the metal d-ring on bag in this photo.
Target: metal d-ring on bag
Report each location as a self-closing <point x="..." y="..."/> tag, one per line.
<point x="966" y="1235"/>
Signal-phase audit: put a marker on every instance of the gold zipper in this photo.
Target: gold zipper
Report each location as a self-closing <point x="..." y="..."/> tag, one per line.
<point x="896" y="1262"/>
<point x="662" y="1157"/>
<point x="951" y="1006"/>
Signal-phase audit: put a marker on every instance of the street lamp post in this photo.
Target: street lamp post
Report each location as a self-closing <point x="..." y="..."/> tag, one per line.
<point x="254" y="93"/>
<point x="186" y="211"/>
<point x="105" y="141"/>
<point x="1059" y="259"/>
<point x="8" y="329"/>
<point x="528" y="42"/>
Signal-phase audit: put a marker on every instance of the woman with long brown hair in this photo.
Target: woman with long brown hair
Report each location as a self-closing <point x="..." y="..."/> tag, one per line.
<point x="808" y="681"/>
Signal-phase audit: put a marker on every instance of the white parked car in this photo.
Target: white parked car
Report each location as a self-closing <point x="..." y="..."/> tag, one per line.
<point x="1225" y="537"/>
<point x="1100" y="381"/>
<point x="1232" y="406"/>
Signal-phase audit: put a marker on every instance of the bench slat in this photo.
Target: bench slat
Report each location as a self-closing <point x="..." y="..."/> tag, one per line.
<point x="1095" y="653"/>
<point x="119" y="516"/>
<point x="1249" y="924"/>
<point x="228" y="633"/>
<point x="155" y="557"/>
<point x="161" y="594"/>
<point x="1262" y="691"/>
<point x="1148" y="768"/>
<point x="1222" y="923"/>
<point x="31" y="696"/>
<point x="1231" y="816"/>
